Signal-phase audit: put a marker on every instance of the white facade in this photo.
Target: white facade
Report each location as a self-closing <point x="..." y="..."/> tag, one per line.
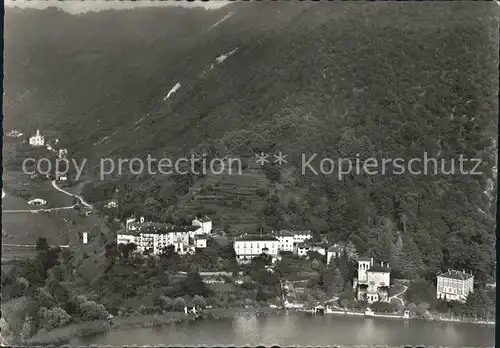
<point x="37" y="201"/>
<point x="301" y="236"/>
<point x="14" y="134"/>
<point x="204" y="223"/>
<point x="85" y="238"/>
<point x="200" y="242"/>
<point x="454" y="285"/>
<point x="155" y="242"/>
<point x="303" y="248"/>
<point x="112" y="204"/>
<point x="37" y="139"/>
<point x="248" y="248"/>
<point x="285" y="242"/>
<point x="371" y="279"/>
<point x="62" y="153"/>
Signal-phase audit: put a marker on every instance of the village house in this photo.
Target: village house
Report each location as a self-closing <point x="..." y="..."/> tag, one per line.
<point x="249" y="246"/>
<point x="111" y="204"/>
<point x="204" y="223"/>
<point x="14" y="134"/>
<point x="301" y="236"/>
<point x="286" y="240"/>
<point x="154" y="237"/>
<point x="302" y="249"/>
<point x="200" y="241"/>
<point x="373" y="281"/>
<point x="37" y="139"/>
<point x="62" y="153"/>
<point x="454" y="285"/>
<point x="37" y="201"/>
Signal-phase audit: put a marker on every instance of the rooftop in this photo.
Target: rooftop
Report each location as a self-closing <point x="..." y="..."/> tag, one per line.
<point x="256" y="237"/>
<point x="203" y="219"/>
<point x="284" y="233"/>
<point x="453" y="274"/>
<point x="364" y="258"/>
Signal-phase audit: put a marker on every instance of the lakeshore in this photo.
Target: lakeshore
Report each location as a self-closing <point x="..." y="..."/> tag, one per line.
<point x="61" y="336"/>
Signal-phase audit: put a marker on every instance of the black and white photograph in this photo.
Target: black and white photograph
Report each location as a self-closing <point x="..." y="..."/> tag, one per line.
<point x="249" y="173"/>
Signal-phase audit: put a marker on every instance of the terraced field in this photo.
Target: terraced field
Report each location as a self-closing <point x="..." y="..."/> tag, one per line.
<point x="219" y="192"/>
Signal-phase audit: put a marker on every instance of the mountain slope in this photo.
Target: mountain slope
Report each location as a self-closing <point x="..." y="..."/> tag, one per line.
<point x="384" y="80"/>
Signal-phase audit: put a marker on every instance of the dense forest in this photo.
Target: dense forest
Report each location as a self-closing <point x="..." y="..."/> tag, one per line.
<point x="384" y="80"/>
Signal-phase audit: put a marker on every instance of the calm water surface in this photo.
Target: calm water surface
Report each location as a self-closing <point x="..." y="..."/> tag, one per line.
<point x="300" y="329"/>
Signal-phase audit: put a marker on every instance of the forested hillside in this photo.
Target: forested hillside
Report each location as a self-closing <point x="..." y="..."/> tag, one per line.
<point x="382" y="80"/>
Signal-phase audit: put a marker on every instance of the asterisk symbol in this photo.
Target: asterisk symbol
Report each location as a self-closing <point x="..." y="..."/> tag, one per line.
<point x="262" y="158"/>
<point x="280" y="159"/>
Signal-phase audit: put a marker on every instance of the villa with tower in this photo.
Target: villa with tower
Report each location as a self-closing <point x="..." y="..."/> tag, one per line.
<point x="374" y="280"/>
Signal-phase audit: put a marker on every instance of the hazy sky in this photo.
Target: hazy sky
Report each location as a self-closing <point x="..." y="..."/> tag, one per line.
<point x="79" y="6"/>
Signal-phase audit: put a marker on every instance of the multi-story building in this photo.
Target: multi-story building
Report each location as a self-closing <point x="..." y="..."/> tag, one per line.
<point x="155" y="237"/>
<point x="286" y="240"/>
<point x="37" y="139"/>
<point x="62" y="153"/>
<point x="200" y="241"/>
<point x="301" y="249"/>
<point x="301" y="236"/>
<point x="249" y="246"/>
<point x="454" y="285"/>
<point x="373" y="281"/>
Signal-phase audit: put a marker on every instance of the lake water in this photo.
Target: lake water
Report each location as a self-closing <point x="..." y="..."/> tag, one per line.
<point x="301" y="329"/>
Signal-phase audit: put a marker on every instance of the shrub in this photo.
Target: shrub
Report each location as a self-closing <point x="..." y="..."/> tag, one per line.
<point x="55" y="317"/>
<point x="91" y="310"/>
<point x="179" y="304"/>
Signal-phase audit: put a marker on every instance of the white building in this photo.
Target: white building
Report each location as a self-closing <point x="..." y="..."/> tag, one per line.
<point x="286" y="240"/>
<point x="37" y="139"/>
<point x="200" y="241"/>
<point x="155" y="237"/>
<point x="14" y="134"/>
<point x="373" y="281"/>
<point x="249" y="246"/>
<point x="301" y="236"/>
<point x="454" y="285"/>
<point x="85" y="237"/>
<point x="205" y="224"/>
<point x="62" y="153"/>
<point x="112" y="204"/>
<point x="302" y="249"/>
<point x="37" y="201"/>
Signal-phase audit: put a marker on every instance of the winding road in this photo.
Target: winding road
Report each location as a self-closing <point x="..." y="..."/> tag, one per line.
<point x="35" y="211"/>
<point x="399" y="294"/>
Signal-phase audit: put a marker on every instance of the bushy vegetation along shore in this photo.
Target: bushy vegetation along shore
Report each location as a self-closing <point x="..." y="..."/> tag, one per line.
<point x="66" y="334"/>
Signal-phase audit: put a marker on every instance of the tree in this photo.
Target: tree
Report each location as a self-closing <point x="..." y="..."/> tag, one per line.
<point x="55" y="317"/>
<point x="199" y="302"/>
<point x="91" y="310"/>
<point x="43" y="298"/>
<point x="333" y="283"/>
<point x="166" y="303"/>
<point x="126" y="249"/>
<point x="179" y="304"/>
<point x="194" y="285"/>
<point x="42" y="244"/>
